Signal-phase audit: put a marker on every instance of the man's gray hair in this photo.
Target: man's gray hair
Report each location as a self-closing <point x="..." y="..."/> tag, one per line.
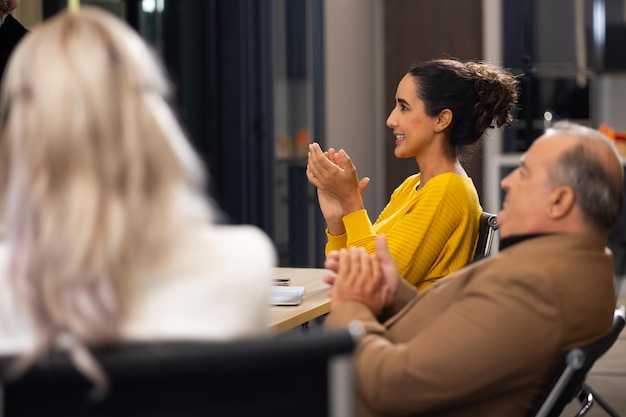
<point x="598" y="191"/>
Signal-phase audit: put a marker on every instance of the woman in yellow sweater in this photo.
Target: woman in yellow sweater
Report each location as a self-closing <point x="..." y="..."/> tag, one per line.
<point x="431" y="221"/>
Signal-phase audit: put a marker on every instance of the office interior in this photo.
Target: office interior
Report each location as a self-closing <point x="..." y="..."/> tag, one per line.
<point x="257" y="80"/>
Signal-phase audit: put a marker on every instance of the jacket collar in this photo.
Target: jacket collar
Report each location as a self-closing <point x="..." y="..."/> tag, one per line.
<point x="515" y="239"/>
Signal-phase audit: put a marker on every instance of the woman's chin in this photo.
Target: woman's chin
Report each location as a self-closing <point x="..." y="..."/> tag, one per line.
<point x="399" y="153"/>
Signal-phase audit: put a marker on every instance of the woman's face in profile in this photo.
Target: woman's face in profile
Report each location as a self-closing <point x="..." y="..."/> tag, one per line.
<point x="412" y="127"/>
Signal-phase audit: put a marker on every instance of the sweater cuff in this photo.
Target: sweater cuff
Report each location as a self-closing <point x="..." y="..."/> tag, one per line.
<point x="335" y="242"/>
<point x="358" y="226"/>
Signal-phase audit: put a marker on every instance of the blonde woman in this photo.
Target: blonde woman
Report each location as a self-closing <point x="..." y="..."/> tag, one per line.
<point x="107" y="234"/>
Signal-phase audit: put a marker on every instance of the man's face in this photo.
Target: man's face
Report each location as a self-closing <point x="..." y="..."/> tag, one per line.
<point x="528" y="188"/>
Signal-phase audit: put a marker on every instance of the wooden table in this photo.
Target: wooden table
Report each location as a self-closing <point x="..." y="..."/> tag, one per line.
<point x="315" y="302"/>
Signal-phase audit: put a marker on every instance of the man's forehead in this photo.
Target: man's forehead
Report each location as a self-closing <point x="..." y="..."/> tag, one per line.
<point x="552" y="144"/>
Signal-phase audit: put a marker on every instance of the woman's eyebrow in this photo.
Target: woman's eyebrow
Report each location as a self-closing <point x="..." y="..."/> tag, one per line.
<point x="402" y="101"/>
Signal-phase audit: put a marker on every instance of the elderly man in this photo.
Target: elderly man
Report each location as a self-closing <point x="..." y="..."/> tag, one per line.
<point x="486" y="340"/>
<point x="11" y="31"/>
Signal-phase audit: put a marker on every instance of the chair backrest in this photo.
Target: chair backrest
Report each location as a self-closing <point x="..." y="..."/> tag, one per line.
<point x="286" y="375"/>
<point x="572" y="374"/>
<point x="486" y="232"/>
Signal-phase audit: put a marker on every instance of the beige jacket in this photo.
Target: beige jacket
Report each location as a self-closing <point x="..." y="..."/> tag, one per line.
<point x="484" y="341"/>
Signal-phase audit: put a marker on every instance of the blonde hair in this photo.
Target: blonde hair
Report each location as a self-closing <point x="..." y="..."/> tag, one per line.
<point x="96" y="175"/>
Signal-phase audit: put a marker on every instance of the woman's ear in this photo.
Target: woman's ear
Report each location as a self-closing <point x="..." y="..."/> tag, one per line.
<point x="561" y="201"/>
<point x="443" y="120"/>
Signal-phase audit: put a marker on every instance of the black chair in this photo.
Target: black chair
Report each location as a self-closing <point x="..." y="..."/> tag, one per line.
<point x="304" y="375"/>
<point x="571" y="378"/>
<point x="486" y="232"/>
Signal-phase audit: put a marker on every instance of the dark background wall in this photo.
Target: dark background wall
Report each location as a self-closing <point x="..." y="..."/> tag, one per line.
<point x="422" y="30"/>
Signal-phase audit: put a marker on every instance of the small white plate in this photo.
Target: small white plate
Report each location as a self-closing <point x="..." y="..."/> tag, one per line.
<point x="286" y="296"/>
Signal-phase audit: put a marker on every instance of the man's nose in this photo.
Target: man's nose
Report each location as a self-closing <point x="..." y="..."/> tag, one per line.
<point x="504" y="183"/>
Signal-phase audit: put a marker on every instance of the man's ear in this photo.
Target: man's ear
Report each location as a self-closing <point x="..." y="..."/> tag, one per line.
<point x="443" y="120"/>
<point x="561" y="202"/>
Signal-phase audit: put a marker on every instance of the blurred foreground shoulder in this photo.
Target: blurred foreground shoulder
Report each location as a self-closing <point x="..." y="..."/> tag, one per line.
<point x="213" y="285"/>
<point x="247" y="243"/>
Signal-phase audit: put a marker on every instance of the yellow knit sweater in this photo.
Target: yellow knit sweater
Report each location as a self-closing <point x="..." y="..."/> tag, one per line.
<point x="431" y="232"/>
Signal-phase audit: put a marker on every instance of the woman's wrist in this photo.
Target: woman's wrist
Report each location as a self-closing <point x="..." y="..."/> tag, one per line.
<point x="351" y="206"/>
<point x="336" y="228"/>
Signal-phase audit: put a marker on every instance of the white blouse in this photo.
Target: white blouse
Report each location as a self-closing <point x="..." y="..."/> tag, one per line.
<point x="214" y="285"/>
